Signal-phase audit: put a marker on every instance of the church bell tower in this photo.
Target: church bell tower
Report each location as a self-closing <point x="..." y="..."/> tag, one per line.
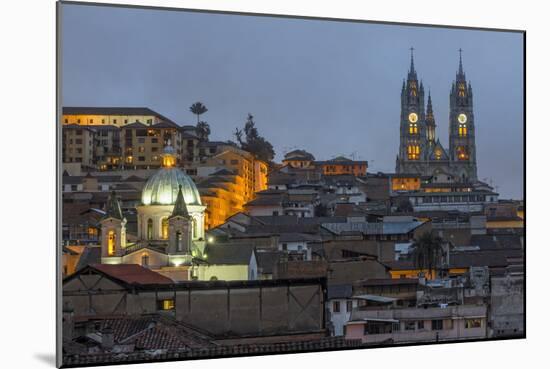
<point x="413" y="134"/>
<point x="462" y="150"/>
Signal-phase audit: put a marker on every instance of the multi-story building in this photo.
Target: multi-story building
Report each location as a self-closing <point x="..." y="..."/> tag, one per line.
<point x="107" y="147"/>
<point x="115" y="116"/>
<point x="342" y="165"/>
<point x="78" y="145"/>
<point x="142" y="144"/>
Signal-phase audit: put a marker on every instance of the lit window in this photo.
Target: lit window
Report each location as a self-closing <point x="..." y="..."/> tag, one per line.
<point x="165" y="228"/>
<point x="167" y="304"/>
<point x="462" y="153"/>
<point x="413" y="152"/>
<point x="413" y="128"/>
<point x="111" y="242"/>
<point x="462" y="130"/>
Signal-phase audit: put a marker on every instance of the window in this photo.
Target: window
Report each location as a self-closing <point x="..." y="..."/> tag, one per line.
<point x="141" y="158"/>
<point x="472" y="323"/>
<point x="111" y="242"/>
<point x="275" y="213"/>
<point x="166" y="304"/>
<point x="234" y="161"/>
<point x="420" y="324"/>
<point x="114" y="121"/>
<point x="413" y="152"/>
<point x="336" y="306"/>
<point x="462" y="153"/>
<point x="410" y="326"/>
<point x="154" y="140"/>
<point x="179" y="246"/>
<point x="91" y="121"/>
<point x="141" y="149"/>
<point x="413" y="128"/>
<point x="462" y="130"/>
<point x="437" y="325"/>
<point x="349" y="306"/>
<point x="195" y="228"/>
<point x="145" y="260"/>
<point x="150" y="229"/>
<point x="164" y="228"/>
<point x="103" y="121"/>
<point x="149" y="121"/>
<point x="66" y="121"/>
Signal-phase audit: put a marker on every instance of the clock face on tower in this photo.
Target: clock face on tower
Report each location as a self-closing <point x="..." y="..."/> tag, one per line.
<point x="462" y="118"/>
<point x="413" y="117"/>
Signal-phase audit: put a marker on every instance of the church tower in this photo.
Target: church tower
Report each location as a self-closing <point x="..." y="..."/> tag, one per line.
<point x="180" y="225"/>
<point x="113" y="231"/>
<point x="462" y="150"/>
<point x="413" y="141"/>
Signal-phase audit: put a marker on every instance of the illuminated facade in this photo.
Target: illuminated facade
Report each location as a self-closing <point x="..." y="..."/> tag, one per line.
<point x="342" y="166"/>
<point x="420" y="151"/>
<point x="170" y="224"/>
<point x="114" y="116"/>
<point x="78" y="145"/>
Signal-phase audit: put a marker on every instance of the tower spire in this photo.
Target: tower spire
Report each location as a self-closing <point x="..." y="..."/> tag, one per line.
<point x="412" y="72"/>
<point x="460" y="69"/>
<point x="429" y="109"/>
<point x="113" y="207"/>
<point x="180" y="207"/>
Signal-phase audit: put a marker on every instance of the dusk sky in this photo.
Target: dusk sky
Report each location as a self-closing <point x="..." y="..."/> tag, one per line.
<point x="331" y="88"/>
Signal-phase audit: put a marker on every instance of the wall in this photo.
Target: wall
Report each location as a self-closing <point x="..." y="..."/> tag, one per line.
<point x="223" y="309"/>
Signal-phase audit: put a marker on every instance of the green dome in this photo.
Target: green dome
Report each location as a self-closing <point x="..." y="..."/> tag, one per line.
<point x="162" y="188"/>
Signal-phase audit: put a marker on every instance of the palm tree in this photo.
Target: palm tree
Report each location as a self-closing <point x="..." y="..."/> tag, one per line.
<point x="198" y="108"/>
<point x="203" y="131"/>
<point x="427" y="251"/>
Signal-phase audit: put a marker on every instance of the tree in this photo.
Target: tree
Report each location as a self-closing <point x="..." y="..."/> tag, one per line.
<point x="427" y="252"/>
<point x="203" y="131"/>
<point x="253" y="142"/>
<point x="198" y="109"/>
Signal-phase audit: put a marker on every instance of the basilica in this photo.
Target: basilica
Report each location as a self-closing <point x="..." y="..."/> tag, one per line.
<point x="170" y="225"/>
<point x="420" y="151"/>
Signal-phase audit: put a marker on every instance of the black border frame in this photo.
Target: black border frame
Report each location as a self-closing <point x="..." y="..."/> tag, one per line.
<point x="59" y="279"/>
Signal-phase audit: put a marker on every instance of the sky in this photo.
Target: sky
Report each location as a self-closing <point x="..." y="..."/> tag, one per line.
<point x="331" y="88"/>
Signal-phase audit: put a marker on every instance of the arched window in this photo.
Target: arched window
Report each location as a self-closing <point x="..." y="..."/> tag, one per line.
<point x="179" y="238"/>
<point x="145" y="260"/>
<point x="150" y="229"/>
<point x="413" y="128"/>
<point x="462" y="153"/>
<point x="462" y="130"/>
<point x="111" y="242"/>
<point x="413" y="152"/>
<point x="164" y="230"/>
<point x="195" y="232"/>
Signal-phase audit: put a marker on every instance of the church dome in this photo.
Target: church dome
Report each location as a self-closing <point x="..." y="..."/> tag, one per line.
<point x="162" y="188"/>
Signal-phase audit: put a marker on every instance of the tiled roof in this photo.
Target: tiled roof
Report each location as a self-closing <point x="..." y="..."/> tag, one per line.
<point x="132" y="273"/>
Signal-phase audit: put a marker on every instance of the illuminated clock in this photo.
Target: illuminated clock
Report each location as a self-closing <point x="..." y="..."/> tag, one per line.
<point x="462" y="118"/>
<point x="413" y="117"/>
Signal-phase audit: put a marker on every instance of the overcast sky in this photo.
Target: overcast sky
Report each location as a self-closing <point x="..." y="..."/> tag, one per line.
<point x="331" y="88"/>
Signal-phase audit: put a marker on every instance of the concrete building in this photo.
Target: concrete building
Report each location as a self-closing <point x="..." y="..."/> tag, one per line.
<point x="114" y="116"/>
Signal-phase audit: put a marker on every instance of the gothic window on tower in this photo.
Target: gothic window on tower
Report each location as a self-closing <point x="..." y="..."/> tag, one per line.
<point x="111" y="241"/>
<point x="413" y="152"/>
<point x="178" y="241"/>
<point x="461" y="90"/>
<point x="145" y="260"/>
<point x="462" y="130"/>
<point x="413" y="128"/>
<point x="462" y="153"/>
